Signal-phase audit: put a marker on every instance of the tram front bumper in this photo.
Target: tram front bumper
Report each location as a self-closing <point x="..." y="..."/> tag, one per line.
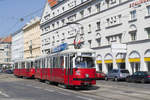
<point x="84" y="81"/>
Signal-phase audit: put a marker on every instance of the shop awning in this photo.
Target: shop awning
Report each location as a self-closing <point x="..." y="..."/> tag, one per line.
<point x="98" y="61"/>
<point x="147" y="59"/>
<point x="120" y="60"/>
<point x="134" y="60"/>
<point x="108" y="61"/>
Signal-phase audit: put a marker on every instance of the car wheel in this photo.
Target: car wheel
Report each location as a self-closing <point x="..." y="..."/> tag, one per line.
<point x="143" y="81"/>
<point x="127" y="80"/>
<point x="106" y="78"/>
<point x="116" y="79"/>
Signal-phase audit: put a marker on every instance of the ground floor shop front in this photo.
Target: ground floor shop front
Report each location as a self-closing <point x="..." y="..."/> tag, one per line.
<point x="136" y="58"/>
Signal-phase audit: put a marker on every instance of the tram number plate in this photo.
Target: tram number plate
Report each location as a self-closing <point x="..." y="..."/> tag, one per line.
<point x="86" y="83"/>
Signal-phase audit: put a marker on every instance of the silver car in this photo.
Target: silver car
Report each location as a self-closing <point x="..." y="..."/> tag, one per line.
<point x="117" y="74"/>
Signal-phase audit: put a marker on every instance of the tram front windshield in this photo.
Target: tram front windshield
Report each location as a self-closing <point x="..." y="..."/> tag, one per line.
<point x="84" y="62"/>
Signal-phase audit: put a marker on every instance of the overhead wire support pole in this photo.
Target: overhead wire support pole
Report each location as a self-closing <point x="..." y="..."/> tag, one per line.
<point x="76" y="46"/>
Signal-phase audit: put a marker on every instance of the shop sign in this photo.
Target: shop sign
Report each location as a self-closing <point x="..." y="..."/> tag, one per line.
<point x="53" y="3"/>
<point x="138" y="2"/>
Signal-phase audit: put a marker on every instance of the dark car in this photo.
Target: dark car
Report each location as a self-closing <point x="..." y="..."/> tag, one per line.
<point x="9" y="71"/>
<point x="139" y="76"/>
<point x="100" y="75"/>
<point x="117" y="74"/>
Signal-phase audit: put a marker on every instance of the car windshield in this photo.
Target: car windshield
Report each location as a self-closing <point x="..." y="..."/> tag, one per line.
<point x="124" y="71"/>
<point x="148" y="73"/>
<point x="84" y="62"/>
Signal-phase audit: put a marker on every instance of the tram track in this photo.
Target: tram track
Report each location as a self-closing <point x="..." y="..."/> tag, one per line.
<point x="115" y="91"/>
<point x="92" y="94"/>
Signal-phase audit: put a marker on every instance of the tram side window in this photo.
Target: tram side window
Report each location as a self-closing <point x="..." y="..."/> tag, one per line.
<point x="54" y="62"/>
<point x="28" y="65"/>
<point x="23" y="65"/>
<point x="32" y="64"/>
<point x="66" y="62"/>
<point x="61" y="62"/>
<point x="71" y="61"/>
<point x="43" y="63"/>
<point x="58" y="62"/>
<point x="39" y="64"/>
<point x="48" y="61"/>
<point x="51" y="62"/>
<point x="16" y="65"/>
<point x="35" y="64"/>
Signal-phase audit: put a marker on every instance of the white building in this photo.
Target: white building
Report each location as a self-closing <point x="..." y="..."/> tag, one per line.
<point x="17" y="46"/>
<point x="105" y="25"/>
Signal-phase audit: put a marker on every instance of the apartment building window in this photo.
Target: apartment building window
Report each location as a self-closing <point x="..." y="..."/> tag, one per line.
<point x="133" y="15"/>
<point x="112" y="1"/>
<point x="148" y="32"/>
<point x="90" y="41"/>
<point x="114" y="38"/>
<point x="89" y="26"/>
<point x="53" y="13"/>
<point x="82" y="30"/>
<point x="98" y="42"/>
<point x="114" y="20"/>
<point x="133" y="36"/>
<point x="82" y="13"/>
<point x="53" y="26"/>
<point x="63" y="21"/>
<point x="148" y="10"/>
<point x="63" y="8"/>
<point x="98" y="7"/>
<point x="98" y="25"/>
<point x="58" y="24"/>
<point x="47" y="17"/>
<point x="89" y="10"/>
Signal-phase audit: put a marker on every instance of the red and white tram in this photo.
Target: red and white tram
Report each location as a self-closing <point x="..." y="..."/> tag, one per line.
<point x="72" y="68"/>
<point x="24" y="68"/>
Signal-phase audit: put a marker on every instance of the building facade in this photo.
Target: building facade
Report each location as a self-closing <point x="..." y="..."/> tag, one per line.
<point x="5" y="52"/>
<point x="118" y="30"/>
<point x="32" y="41"/>
<point x="17" y="48"/>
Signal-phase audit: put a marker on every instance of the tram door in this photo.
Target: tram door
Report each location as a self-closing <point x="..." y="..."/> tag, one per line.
<point x="69" y="70"/>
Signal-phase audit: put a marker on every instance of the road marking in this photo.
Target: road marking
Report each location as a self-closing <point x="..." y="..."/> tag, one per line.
<point x="85" y="98"/>
<point x="64" y="93"/>
<point x="4" y="94"/>
<point x="49" y="90"/>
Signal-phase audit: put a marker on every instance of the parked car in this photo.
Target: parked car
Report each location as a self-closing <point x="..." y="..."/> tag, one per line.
<point x="117" y="74"/>
<point x="100" y="75"/>
<point x="8" y="71"/>
<point x="139" y="76"/>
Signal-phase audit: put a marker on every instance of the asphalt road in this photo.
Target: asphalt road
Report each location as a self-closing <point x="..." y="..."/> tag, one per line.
<point x="12" y="88"/>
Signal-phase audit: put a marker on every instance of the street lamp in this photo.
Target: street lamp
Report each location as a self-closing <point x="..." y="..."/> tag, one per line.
<point x="76" y="46"/>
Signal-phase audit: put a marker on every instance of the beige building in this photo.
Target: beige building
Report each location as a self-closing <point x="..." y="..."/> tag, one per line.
<point x="5" y="52"/>
<point x="32" y="41"/>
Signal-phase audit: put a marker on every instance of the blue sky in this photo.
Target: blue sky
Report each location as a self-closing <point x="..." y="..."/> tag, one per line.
<point x="12" y="10"/>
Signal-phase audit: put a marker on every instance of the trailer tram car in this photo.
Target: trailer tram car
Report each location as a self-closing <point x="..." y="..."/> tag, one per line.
<point x="71" y="68"/>
<point x="24" y="68"/>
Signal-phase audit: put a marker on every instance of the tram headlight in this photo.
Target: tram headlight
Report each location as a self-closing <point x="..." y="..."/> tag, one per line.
<point x="87" y="75"/>
<point x="78" y="72"/>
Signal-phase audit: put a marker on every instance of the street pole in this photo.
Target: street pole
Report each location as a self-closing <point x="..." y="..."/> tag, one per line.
<point x="76" y="45"/>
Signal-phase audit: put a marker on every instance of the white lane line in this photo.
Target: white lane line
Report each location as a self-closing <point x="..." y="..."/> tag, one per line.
<point x="85" y="98"/>
<point x="4" y="94"/>
<point x="64" y="93"/>
<point x="38" y="87"/>
<point x="49" y="90"/>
